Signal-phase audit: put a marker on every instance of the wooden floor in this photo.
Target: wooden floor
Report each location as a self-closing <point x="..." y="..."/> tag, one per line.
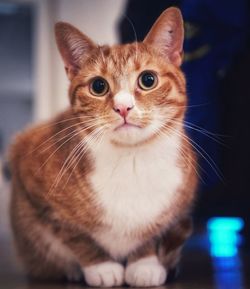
<point x="198" y="269"/>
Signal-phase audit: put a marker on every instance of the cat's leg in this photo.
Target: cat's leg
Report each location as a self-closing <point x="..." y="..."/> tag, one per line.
<point x="151" y="264"/>
<point x="99" y="269"/>
<point x="144" y="268"/>
<point x="43" y="255"/>
<point x="51" y="252"/>
<point x="172" y="241"/>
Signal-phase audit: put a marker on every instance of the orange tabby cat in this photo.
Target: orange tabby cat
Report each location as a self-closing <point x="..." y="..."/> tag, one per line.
<point x="105" y="189"/>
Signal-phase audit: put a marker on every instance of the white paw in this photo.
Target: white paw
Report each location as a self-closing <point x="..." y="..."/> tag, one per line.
<point x="145" y="272"/>
<point x="106" y="274"/>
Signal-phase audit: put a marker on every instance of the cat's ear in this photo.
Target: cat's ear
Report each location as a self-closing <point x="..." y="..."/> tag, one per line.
<point x="167" y="35"/>
<point x="73" y="45"/>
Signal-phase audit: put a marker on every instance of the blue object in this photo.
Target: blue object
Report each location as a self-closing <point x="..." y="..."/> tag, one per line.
<point x="221" y="250"/>
<point x="224" y="236"/>
<point x="228" y="273"/>
<point x="225" y="224"/>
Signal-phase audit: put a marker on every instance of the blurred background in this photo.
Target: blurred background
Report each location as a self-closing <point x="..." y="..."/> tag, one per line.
<point x="33" y="87"/>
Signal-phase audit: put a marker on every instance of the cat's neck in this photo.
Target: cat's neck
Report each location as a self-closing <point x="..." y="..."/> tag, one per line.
<point x="166" y="146"/>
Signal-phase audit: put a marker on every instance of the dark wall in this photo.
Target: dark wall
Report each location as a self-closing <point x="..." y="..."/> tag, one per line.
<point x="225" y="27"/>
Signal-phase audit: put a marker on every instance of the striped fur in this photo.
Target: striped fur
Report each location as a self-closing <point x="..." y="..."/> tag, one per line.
<point x="98" y="194"/>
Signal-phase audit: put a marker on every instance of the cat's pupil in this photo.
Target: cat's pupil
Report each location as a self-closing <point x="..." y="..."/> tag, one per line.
<point x="99" y="86"/>
<point x="148" y="79"/>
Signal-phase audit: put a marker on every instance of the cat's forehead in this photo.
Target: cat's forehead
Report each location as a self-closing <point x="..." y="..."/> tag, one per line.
<point x="121" y="64"/>
<point x="124" y="59"/>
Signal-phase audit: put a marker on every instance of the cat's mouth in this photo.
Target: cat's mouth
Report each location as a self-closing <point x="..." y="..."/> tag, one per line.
<point x="127" y="125"/>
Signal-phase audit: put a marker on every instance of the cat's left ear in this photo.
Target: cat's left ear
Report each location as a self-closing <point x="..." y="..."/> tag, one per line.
<point x="167" y="35"/>
<point x="73" y="45"/>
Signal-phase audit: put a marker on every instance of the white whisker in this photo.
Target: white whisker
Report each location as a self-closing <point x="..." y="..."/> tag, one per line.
<point x="187" y="161"/>
<point x="66" y="163"/>
<point x="135" y="34"/>
<point x="199" y="150"/>
<point x="206" y="133"/>
<point x="57" y="149"/>
<point x="83" y="150"/>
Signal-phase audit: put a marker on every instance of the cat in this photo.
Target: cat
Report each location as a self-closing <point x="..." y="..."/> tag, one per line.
<point x="104" y="191"/>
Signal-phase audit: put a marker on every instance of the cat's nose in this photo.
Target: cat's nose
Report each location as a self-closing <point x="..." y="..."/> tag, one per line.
<point x="122" y="109"/>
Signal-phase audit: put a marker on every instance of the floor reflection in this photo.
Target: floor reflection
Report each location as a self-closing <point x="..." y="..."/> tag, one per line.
<point x="228" y="272"/>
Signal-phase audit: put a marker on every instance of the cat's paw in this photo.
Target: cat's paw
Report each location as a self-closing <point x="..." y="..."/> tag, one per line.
<point x="106" y="274"/>
<point x="146" y="272"/>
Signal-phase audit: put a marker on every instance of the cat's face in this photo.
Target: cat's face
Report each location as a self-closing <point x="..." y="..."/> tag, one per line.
<point x="128" y="93"/>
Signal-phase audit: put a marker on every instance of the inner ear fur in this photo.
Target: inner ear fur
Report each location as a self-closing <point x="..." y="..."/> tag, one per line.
<point x="73" y="46"/>
<point x="167" y="35"/>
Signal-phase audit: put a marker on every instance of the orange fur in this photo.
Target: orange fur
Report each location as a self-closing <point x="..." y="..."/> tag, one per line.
<point x="53" y="200"/>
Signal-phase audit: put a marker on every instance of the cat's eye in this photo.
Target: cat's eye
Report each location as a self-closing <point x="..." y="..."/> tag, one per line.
<point x="99" y="86"/>
<point x="147" y="80"/>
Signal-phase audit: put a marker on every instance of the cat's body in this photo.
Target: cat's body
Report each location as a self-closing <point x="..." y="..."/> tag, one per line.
<point x="95" y="196"/>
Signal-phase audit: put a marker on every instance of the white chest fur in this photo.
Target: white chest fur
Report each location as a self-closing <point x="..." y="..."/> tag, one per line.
<point x="134" y="186"/>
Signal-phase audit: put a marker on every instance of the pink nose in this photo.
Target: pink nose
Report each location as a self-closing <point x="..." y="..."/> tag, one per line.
<point x="123" y="110"/>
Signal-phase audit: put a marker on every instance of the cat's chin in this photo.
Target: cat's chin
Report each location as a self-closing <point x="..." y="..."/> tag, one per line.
<point x="130" y="135"/>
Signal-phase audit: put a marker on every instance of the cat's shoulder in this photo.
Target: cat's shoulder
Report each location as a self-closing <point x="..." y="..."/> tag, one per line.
<point x="31" y="140"/>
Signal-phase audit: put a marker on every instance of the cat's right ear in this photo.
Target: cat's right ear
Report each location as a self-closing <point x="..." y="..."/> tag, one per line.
<point x="73" y="45"/>
<point x="167" y="35"/>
